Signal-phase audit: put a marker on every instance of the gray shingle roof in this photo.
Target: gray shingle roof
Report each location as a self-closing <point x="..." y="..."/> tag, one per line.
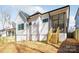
<point x="23" y="15"/>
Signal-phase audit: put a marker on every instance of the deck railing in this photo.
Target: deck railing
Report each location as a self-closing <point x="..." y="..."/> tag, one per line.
<point x="53" y="37"/>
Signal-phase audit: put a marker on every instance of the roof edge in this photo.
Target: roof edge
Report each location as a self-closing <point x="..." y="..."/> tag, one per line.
<point x="58" y="9"/>
<point x="51" y="10"/>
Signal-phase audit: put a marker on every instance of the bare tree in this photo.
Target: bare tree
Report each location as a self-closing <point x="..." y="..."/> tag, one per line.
<point x="5" y="18"/>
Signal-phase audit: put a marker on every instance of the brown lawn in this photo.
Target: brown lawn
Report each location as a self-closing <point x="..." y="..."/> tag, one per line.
<point x="27" y="47"/>
<point x="69" y="45"/>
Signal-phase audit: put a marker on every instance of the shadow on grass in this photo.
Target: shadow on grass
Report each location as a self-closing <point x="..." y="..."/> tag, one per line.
<point x="69" y="46"/>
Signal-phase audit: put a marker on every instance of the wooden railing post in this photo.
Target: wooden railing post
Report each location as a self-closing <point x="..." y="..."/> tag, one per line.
<point x="53" y="37"/>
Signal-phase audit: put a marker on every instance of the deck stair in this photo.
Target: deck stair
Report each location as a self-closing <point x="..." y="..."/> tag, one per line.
<point x="53" y="37"/>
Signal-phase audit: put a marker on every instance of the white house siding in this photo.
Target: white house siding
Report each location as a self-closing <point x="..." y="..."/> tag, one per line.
<point x="34" y="32"/>
<point x="27" y="31"/>
<point x="20" y="34"/>
<point x="44" y="27"/>
<point x="38" y="30"/>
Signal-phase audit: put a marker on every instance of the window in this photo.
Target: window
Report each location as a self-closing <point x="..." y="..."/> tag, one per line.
<point x="20" y="26"/>
<point x="45" y="20"/>
<point x="58" y="21"/>
<point x="61" y="18"/>
<point x="61" y="22"/>
<point x="55" y="17"/>
<point x="55" y="22"/>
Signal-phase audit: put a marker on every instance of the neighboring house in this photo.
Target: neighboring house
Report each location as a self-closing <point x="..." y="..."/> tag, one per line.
<point x="10" y="32"/>
<point x="77" y="25"/>
<point x="35" y="27"/>
<point x="77" y="19"/>
<point x="2" y="33"/>
<point x="9" y="29"/>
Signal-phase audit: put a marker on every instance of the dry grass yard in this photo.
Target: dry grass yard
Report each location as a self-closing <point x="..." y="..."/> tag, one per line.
<point x="69" y="45"/>
<point x="27" y="47"/>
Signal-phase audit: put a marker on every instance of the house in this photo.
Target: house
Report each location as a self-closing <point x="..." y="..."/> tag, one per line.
<point x="77" y="19"/>
<point x="77" y="25"/>
<point x="36" y="26"/>
<point x="21" y="21"/>
<point x="2" y="33"/>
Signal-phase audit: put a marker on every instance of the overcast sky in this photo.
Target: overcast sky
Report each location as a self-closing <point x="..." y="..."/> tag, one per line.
<point x="13" y="10"/>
